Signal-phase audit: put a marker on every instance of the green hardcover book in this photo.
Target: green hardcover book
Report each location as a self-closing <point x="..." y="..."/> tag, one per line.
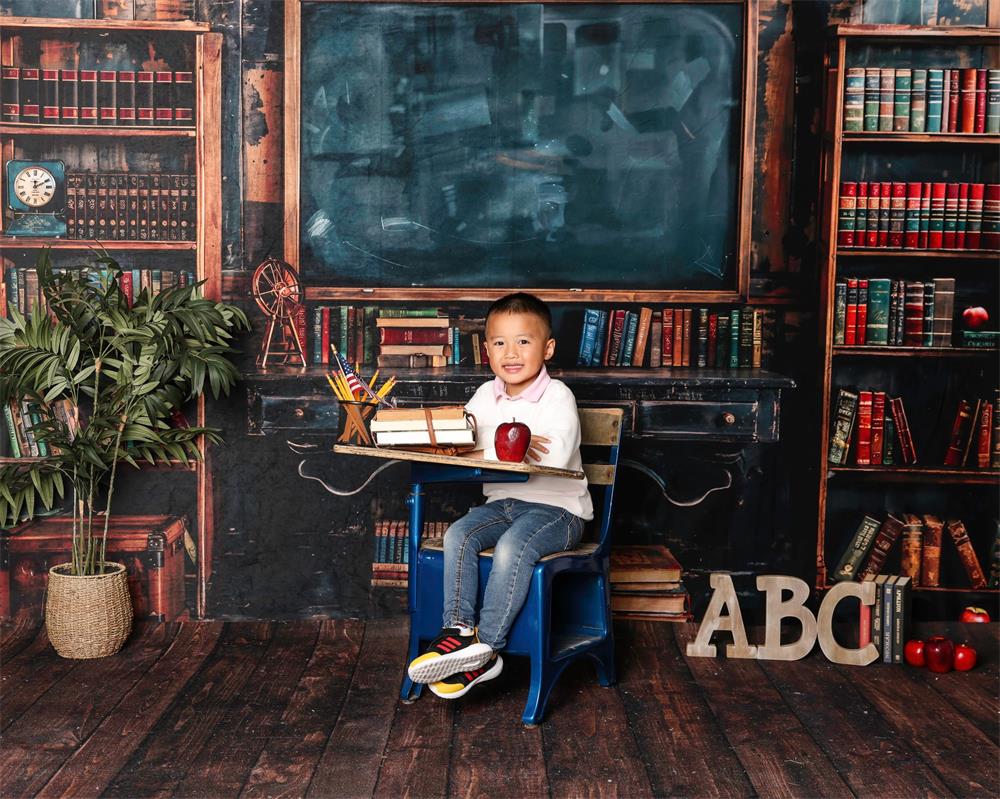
<point x="854" y="99"/>
<point x="628" y="340"/>
<point x="36" y="419"/>
<point x="701" y="353"/>
<point x="872" y="83"/>
<point x="888" y="617"/>
<point x="901" y="100"/>
<point x="861" y="542"/>
<point x="993" y="101"/>
<point x="370" y="336"/>
<point x="982" y="339"/>
<point x="935" y="99"/>
<point x="900" y="616"/>
<point x="845" y="411"/>
<point x="877" y="328"/>
<point x="746" y="338"/>
<point x="889" y="440"/>
<point x="8" y="415"/>
<point x="918" y="101"/>
<point x="342" y="344"/>
<point x="722" y="342"/>
<point x="839" y="311"/>
<point x="734" y="338"/>
<point x="886" y="98"/>
<point x="404" y="313"/>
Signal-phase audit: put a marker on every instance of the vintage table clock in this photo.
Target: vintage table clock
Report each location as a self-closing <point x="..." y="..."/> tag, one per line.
<point x="36" y="198"/>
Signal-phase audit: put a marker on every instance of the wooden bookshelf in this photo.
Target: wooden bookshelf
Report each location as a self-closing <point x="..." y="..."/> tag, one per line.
<point x="842" y="489"/>
<point x="203" y="149"/>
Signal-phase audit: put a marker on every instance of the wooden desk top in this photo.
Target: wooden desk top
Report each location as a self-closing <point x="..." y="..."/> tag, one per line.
<point x="456" y="460"/>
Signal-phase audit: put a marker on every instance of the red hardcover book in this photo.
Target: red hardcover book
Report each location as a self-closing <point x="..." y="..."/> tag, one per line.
<point x="913" y="314"/>
<point x="885" y="204"/>
<point x="413" y="335"/>
<point x="125" y="284"/>
<point x="863" y="447"/>
<point x="605" y="354"/>
<point x="983" y="440"/>
<point x="991" y="217"/>
<point x="69" y="112"/>
<point x="897" y="214"/>
<point x="107" y="97"/>
<point x="950" y="216"/>
<point x="878" y="427"/>
<point x="966" y="553"/>
<point x="50" y="97"/>
<point x="980" y="120"/>
<point x="925" y="214"/>
<point x="911" y="229"/>
<point x="904" y="438"/>
<point x="936" y="232"/>
<point x="953" y="101"/>
<point x="10" y="89"/>
<point x="974" y="225"/>
<point x="874" y="203"/>
<point x="713" y="339"/>
<point x="667" y="345"/>
<point x="617" y="331"/>
<point x="324" y="335"/>
<point x="970" y="439"/>
<point x="961" y="226"/>
<point x="846" y="217"/>
<point x="861" y="317"/>
<point x="30" y="95"/>
<point x="678" y="337"/>
<point x="164" y="98"/>
<point x="144" y="106"/>
<point x="967" y="102"/>
<point x="88" y="97"/>
<point x="851" y="313"/>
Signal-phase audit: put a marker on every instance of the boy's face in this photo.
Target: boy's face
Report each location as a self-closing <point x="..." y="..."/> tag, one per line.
<point x="518" y="345"/>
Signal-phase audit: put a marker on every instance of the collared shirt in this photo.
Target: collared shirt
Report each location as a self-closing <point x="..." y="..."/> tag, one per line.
<point x="548" y="408"/>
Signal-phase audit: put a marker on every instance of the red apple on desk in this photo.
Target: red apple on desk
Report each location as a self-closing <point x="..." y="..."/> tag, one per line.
<point x="971" y="614"/>
<point x="965" y="657"/>
<point x="511" y="441"/>
<point x="975" y="317"/>
<point x="940" y="654"/>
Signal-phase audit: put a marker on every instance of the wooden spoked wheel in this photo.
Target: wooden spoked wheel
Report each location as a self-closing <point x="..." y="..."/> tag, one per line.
<point x="276" y="288"/>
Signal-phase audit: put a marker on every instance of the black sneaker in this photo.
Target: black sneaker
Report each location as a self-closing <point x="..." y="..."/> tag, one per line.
<point x="459" y="684"/>
<point x="447" y="654"/>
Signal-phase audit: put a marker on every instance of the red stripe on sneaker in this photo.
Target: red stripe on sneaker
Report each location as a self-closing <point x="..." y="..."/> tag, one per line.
<point x="445" y="646"/>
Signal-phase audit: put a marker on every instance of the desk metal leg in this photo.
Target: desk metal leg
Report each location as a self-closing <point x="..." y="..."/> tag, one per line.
<point x="409" y="690"/>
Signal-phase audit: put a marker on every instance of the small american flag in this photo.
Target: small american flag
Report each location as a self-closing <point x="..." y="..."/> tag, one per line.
<point x="353" y="381"/>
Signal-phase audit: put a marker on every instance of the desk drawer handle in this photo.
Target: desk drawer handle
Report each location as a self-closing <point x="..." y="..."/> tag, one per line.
<point x="300" y="413"/>
<point x="729" y="419"/>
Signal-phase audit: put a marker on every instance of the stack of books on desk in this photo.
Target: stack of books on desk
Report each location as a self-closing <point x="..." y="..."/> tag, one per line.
<point x="409" y="427"/>
<point x="646" y="584"/>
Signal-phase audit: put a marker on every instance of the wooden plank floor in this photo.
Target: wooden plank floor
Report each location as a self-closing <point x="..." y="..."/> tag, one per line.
<point x="309" y="708"/>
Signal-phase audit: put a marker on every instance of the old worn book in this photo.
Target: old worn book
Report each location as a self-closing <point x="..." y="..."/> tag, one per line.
<point x="412" y="321"/>
<point x="863" y="443"/>
<point x="884" y="539"/>
<point x="645" y="588"/>
<point x="956" y="528"/>
<point x="401" y="414"/>
<point x="857" y="550"/>
<point x="930" y="558"/>
<point x="911" y="545"/>
<point x="643" y="564"/>
<point x="843" y="424"/>
<point x="666" y="603"/>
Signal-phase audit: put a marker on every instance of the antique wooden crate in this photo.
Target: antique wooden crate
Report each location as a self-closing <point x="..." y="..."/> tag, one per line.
<point x="151" y="547"/>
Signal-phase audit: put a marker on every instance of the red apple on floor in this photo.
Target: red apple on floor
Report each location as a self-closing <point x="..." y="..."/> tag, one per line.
<point x="975" y="317"/>
<point x="974" y="614"/>
<point x="913" y="653"/>
<point x="511" y="441"/>
<point x="965" y="657"/>
<point x="940" y="654"/>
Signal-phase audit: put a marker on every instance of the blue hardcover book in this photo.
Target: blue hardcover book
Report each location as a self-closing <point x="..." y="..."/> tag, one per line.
<point x="456" y="349"/>
<point x="588" y="337"/>
<point x="602" y="328"/>
<point x="628" y="339"/>
<point x="935" y="99"/>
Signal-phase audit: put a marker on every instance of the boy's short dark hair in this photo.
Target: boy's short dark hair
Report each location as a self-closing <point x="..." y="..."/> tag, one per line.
<point x="522" y="302"/>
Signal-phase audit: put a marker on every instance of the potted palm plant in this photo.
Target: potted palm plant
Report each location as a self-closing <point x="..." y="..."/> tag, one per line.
<point x="105" y="375"/>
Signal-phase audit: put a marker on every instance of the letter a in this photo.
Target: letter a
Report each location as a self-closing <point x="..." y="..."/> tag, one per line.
<point x="723" y="596"/>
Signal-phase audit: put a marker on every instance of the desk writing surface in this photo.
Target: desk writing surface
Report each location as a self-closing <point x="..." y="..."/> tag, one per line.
<point x="456" y="460"/>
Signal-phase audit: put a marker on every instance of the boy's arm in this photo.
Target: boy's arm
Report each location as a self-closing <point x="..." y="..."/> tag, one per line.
<point x="479" y="407"/>
<point x="562" y="432"/>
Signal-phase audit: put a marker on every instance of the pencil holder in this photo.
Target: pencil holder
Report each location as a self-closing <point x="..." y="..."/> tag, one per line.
<point x="352" y="424"/>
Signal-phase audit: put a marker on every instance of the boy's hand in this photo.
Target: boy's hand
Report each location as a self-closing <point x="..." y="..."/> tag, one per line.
<point x="537" y="447"/>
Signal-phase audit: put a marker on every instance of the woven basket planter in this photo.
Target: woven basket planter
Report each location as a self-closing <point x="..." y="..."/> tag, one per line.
<point x="88" y="617"/>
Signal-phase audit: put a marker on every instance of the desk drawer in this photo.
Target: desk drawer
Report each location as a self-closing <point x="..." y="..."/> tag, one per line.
<point x="698" y="419"/>
<point x="269" y="414"/>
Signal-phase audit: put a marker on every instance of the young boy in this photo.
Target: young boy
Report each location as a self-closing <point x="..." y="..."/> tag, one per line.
<point x="523" y="522"/>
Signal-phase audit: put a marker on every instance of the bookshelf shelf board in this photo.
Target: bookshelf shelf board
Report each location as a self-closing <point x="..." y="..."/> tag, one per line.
<point x="923" y="138"/>
<point x="20" y="460"/>
<point x="884" y="252"/>
<point x="172" y="466"/>
<point x="78" y="244"/>
<point x="941" y="589"/>
<point x="856" y="31"/>
<point x="179" y="26"/>
<point x="21" y="129"/>
<point x="919" y="474"/>
<point x="913" y="352"/>
<point x="421" y="296"/>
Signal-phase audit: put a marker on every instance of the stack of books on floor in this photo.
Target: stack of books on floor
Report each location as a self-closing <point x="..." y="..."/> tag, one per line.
<point x="402" y="427"/>
<point x="887" y="623"/>
<point x="391" y="562"/>
<point x="646" y="584"/>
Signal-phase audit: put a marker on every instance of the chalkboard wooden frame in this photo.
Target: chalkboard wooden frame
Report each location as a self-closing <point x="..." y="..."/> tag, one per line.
<point x="444" y="293"/>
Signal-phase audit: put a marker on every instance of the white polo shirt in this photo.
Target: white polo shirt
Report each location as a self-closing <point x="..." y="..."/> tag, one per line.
<point x="548" y="408"/>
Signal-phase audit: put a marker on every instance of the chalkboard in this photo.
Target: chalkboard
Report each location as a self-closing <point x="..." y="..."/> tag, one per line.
<point x="521" y="145"/>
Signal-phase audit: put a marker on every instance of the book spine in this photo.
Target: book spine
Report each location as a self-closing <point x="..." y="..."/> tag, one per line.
<point x="617" y="333"/>
<point x="126" y="98"/>
<point x="911" y="225"/>
<point x="687" y="327"/>
<point x="995" y="444"/>
<point x="913" y="319"/>
<point x="112" y="207"/>
<point x="918" y="101"/>
<point x="877" y="615"/>
<point x="908" y="453"/>
<point x="757" y="351"/>
<point x="839" y="311"/>
<point x="974" y="223"/>
<point x="900" y="617"/>
<point x="854" y="99"/>
<point x="701" y="356"/>
<point x="886" y="104"/>
<point x="15" y="446"/>
<point x="50" y="97"/>
<point x="959" y="427"/>
<point x="72" y="185"/>
<point x="861" y="214"/>
<point x="878" y="427"/>
<point x="713" y="339"/>
<point x="863" y="450"/>
<point x="888" y="439"/>
<point x="960" y="536"/>
<point x="628" y="348"/>
<point x="746" y="338"/>
<point x="735" y="323"/>
<point x="10" y="93"/>
<point x="983" y="436"/>
<point x="102" y="206"/>
<point x="30" y="95"/>
<point x="145" y="108"/>
<point x="897" y="215"/>
<point x="163" y="99"/>
<point x="979" y="125"/>
<point x="88" y="97"/>
<point x="953" y="101"/>
<point x="69" y="111"/>
<point x="935" y="97"/>
<point x="843" y="424"/>
<point x="656" y="341"/>
<point x="142" y="221"/>
<point x="864" y="625"/>
<point x="164" y="210"/>
<point x="724" y="340"/>
<point x="950" y="228"/>
<point x="861" y="317"/>
<point x="846" y="216"/>
<point x="877" y="325"/>
<point x="930" y="562"/>
<point x="857" y="550"/>
<point x="874" y="210"/>
<point x="991" y="217"/>
<point x="911" y="545"/>
<point x="851" y="313"/>
<point x="871" y="98"/>
<point x="884" y="213"/>
<point x="107" y="99"/>
<point x="992" y="101"/>
<point x="184" y="99"/>
<point x="967" y="101"/>
<point x="944" y="310"/>
<point x="887" y="618"/>
<point x="667" y="345"/>
<point x="925" y="215"/>
<point x="928" y="321"/>
<point x="175" y="207"/>
<point x="935" y="235"/>
<point x="901" y="100"/>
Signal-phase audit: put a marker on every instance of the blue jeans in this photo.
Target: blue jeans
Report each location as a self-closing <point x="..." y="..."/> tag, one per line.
<point x="521" y="533"/>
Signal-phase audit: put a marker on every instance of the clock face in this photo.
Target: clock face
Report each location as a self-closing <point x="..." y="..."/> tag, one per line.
<point x="35" y="186"/>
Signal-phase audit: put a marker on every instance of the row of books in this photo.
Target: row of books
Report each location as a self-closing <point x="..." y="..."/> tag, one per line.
<point x="96" y="97"/>
<point x="881" y="312"/>
<point x="975" y="434"/>
<point x="131" y="207"/>
<point x="646" y="584"/>
<point x="920" y="538"/>
<point x="391" y="558"/>
<point x="700" y="337"/>
<point x="886" y="623"/>
<point x="917" y="215"/>
<point x="932" y="100"/>
<point x="20" y="287"/>
<point x="423" y="427"/>
<point x="20" y="417"/>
